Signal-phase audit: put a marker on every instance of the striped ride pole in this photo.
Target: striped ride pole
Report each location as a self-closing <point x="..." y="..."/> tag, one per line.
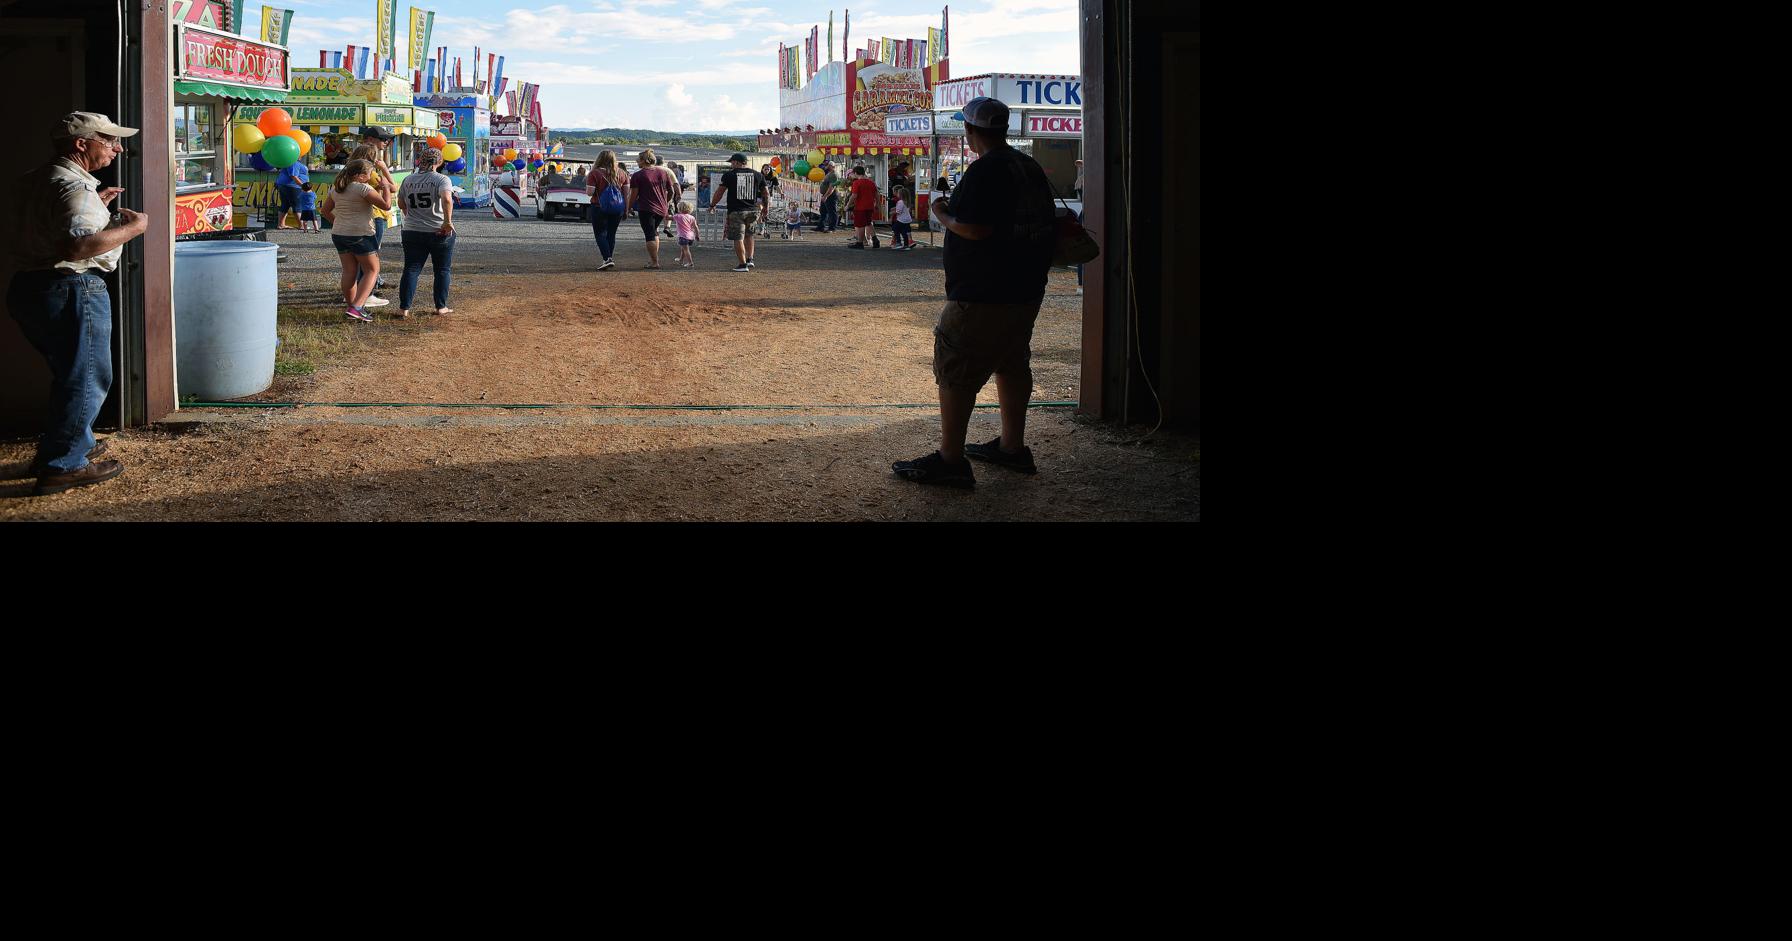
<point x="505" y="202"/>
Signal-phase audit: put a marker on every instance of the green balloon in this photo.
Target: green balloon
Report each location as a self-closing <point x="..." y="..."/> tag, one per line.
<point x="801" y="168"/>
<point x="280" y="151"/>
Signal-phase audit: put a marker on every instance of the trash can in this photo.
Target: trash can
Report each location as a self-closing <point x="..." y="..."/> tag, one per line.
<point x="226" y="296"/>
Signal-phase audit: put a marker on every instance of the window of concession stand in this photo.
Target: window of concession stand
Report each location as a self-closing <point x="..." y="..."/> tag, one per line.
<point x="215" y="74"/>
<point x="335" y="108"/>
<point x="465" y="119"/>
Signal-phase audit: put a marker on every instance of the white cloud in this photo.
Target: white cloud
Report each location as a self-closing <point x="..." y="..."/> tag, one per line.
<point x="677" y="97"/>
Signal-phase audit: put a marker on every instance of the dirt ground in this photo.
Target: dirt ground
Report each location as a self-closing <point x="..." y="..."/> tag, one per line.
<point x="840" y="339"/>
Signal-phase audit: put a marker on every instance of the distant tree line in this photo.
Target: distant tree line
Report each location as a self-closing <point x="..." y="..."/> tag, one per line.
<point x="639" y="136"/>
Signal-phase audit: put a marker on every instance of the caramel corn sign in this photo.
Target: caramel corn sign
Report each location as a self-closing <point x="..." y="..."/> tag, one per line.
<point x="210" y="56"/>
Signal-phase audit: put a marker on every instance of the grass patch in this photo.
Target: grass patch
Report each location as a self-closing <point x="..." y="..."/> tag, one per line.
<point x="312" y="336"/>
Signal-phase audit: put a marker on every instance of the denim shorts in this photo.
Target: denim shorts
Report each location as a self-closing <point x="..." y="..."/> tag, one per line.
<point x="355" y="245"/>
<point x="683" y="241"/>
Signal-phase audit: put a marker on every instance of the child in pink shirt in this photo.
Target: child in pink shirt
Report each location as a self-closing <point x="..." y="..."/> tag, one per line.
<point x="687" y="234"/>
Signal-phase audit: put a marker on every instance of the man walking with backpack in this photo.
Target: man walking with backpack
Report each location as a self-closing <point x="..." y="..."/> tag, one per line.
<point x="999" y="232"/>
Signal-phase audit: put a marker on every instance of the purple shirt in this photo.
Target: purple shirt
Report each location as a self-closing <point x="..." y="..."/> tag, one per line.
<point x="649" y="186"/>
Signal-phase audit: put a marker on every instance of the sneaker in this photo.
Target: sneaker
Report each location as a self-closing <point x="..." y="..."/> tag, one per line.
<point x="933" y="469"/>
<point x="376" y="302"/>
<point x="750" y="263"/>
<point x="992" y="452"/>
<point x="741" y="268"/>
<point x="855" y="244"/>
<point x="607" y="264"/>
<point x="356" y="313"/>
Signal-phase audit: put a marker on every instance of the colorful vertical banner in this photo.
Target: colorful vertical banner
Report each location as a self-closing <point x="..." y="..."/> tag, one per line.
<point x="477" y="88"/>
<point x="846" y="36"/>
<point x="323" y="59"/>
<point x="385" y="13"/>
<point x="510" y="99"/>
<point x="442" y="67"/>
<point x="422" y="23"/>
<point x="783" y="71"/>
<point x="498" y="79"/>
<point x="364" y="63"/>
<point x="457" y="82"/>
<point x="933" y="47"/>
<point x="491" y="71"/>
<point x="335" y="60"/>
<point x="236" y="17"/>
<point x="888" y="46"/>
<point x="831" y="36"/>
<point x="275" y="24"/>
<point x="945" y="32"/>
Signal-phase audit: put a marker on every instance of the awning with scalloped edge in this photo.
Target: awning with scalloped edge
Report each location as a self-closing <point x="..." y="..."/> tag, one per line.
<point x="228" y="91"/>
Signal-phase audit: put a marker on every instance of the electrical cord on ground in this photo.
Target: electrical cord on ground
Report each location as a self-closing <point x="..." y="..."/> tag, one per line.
<point x="1132" y="290"/>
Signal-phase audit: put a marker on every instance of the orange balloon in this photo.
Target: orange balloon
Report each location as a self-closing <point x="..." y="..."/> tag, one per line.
<point x="303" y="139"/>
<point x="438" y="141"/>
<point x="274" y="121"/>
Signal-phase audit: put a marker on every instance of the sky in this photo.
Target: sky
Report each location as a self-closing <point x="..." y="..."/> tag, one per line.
<point x="683" y="65"/>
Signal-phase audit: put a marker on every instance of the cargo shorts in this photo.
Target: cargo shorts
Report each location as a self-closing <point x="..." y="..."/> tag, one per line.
<point x="975" y="340"/>
<point x="739" y="223"/>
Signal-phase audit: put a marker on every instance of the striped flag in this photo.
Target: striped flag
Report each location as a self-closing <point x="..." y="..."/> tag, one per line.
<point x="275" y="24"/>
<point x="933" y="46"/>
<point x="945" y="32"/>
<point x="430" y="80"/>
<point x="348" y="60"/>
<point x="423" y="23"/>
<point x="335" y="60"/>
<point x="498" y="79"/>
<point x="323" y="59"/>
<point x="457" y="81"/>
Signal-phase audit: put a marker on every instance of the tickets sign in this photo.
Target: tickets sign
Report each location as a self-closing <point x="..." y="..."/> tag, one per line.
<point x="909" y="124"/>
<point x="1048" y="124"/>
<point x="210" y="56"/>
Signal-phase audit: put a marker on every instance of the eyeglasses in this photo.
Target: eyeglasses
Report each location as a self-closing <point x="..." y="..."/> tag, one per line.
<point x="111" y="142"/>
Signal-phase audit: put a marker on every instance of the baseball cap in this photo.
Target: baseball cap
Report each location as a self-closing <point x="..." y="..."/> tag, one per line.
<point x="83" y="123"/>
<point x="986" y="113"/>
<point x="740" y="157"/>
<point x="377" y="133"/>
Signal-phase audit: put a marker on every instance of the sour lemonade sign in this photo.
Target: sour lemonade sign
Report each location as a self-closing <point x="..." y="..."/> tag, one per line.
<point x="212" y="56"/>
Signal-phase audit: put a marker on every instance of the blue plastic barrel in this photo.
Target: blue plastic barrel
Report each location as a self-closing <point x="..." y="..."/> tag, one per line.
<point x="226" y="296"/>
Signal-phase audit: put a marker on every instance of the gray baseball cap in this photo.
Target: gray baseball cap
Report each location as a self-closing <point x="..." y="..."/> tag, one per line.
<point x="83" y="123"/>
<point x="986" y="113"/>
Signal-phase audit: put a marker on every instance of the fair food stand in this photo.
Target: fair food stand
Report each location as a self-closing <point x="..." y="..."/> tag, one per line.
<point x="215" y="73"/>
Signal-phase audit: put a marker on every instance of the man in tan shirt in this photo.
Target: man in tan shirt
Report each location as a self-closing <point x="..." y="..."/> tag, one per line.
<point x="68" y="238"/>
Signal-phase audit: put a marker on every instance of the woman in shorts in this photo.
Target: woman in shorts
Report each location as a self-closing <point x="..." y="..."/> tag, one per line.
<point x="349" y="207"/>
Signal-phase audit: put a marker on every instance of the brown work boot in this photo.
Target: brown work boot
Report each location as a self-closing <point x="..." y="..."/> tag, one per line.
<point x="91" y="474"/>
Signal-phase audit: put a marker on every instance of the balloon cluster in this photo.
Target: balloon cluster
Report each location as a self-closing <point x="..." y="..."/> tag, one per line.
<point x="272" y="142"/>
<point x="801" y="167"/>
<point x="455" y="166"/>
<point x="817" y="174"/>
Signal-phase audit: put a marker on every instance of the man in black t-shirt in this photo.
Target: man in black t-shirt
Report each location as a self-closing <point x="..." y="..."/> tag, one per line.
<point x="998" y="225"/>
<point x="745" y="193"/>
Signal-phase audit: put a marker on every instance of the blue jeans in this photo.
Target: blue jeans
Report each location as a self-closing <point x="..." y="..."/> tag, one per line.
<point x="830" y="219"/>
<point x="68" y="317"/>
<point x="439" y="251"/>
<point x="604" y="227"/>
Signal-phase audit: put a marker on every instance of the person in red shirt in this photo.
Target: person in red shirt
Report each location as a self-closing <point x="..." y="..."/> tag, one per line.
<point x="864" y="199"/>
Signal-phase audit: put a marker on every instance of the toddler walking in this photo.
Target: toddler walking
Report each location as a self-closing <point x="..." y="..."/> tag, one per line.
<point x="687" y="235"/>
<point x="308" y="209"/>
<point x="900" y="239"/>
<point x="793" y="221"/>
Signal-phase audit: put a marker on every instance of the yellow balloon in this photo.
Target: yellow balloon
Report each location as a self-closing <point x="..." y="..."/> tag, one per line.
<point x="816" y="157"/>
<point x="451" y="153"/>
<point x="247" y="138"/>
<point x="510" y="153"/>
<point x="303" y="138"/>
<point x="816" y="174"/>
